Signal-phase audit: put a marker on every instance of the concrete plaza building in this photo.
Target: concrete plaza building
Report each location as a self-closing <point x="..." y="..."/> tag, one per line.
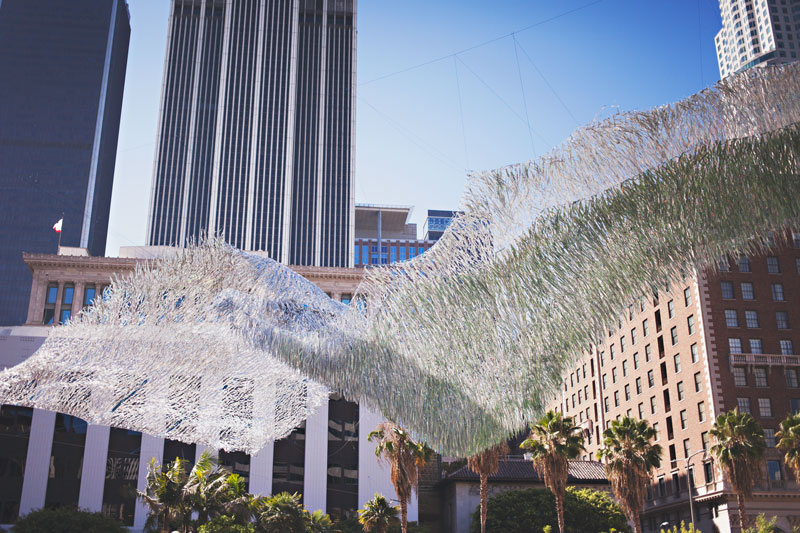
<point x="757" y="33"/>
<point x="62" y="75"/>
<point x="257" y="128"/>
<point x="721" y="339"/>
<point x="53" y="459"/>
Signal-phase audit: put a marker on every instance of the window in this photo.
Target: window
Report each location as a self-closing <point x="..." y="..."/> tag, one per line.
<point x="751" y="319"/>
<point x="614" y="375"/>
<point x="724" y="265"/>
<point x="651" y="380"/>
<point x="580" y="396"/>
<point x="701" y="411"/>
<point x="670" y="309"/>
<point x="647" y="353"/>
<point x="652" y="405"/>
<point x="690" y="323"/>
<point x="638" y="385"/>
<point x="769" y="438"/>
<point x="674" y="334"/>
<point x="735" y="345"/>
<point x="636" y="360"/>
<point x="782" y="319"/>
<point x="698" y="382"/>
<point x="676" y="359"/>
<point x="50" y="304"/>
<point x="796" y="239"/>
<point x="731" y="318"/>
<point x="774" y="470"/>
<point x="657" y="432"/>
<point x="627" y="393"/>
<point x="756" y="346"/>
<point x="687" y="296"/>
<point x="602" y="358"/>
<point x="687" y="448"/>
<point x="684" y="419"/>
<point x="727" y="290"/>
<point x="765" y="407"/>
<point x="616" y="398"/>
<point x="797" y="264"/>
<point x="794" y="405"/>
<point x="747" y="291"/>
<point x="633" y="336"/>
<point x="622" y="344"/>
<point x="695" y="353"/>
<point x="787" y="348"/>
<point x="625" y="367"/>
<point x="680" y="391"/>
<point x="704" y="442"/>
<point x="645" y="327"/>
<point x="760" y="377"/>
<point x="791" y="378"/>
<point x="744" y="264"/>
<point x="612" y="350"/>
<point x="744" y="405"/>
<point x="88" y="295"/>
<point x="773" y="267"/>
<point x="641" y="411"/>
<point x="605" y="383"/>
<point x="739" y="377"/>
<point x="777" y="292"/>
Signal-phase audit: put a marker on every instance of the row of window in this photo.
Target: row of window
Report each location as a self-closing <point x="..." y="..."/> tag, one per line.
<point x="751" y="319"/>
<point x="64" y="313"/>
<point x="369" y="255"/>
<point x="757" y="346"/>
<point x="744" y="266"/>
<point x="761" y="377"/>
<point x="747" y="292"/>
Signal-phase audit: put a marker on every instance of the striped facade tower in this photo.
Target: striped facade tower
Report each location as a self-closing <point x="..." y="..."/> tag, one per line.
<point x="256" y="130"/>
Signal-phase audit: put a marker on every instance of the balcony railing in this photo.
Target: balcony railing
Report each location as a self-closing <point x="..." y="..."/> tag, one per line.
<point x="764" y="359"/>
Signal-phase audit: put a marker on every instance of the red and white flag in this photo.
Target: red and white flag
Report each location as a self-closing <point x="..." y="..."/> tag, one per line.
<point x="57" y="225"/>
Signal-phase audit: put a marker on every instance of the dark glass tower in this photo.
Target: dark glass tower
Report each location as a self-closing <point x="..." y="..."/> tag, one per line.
<point x="257" y="128"/>
<point x="62" y="72"/>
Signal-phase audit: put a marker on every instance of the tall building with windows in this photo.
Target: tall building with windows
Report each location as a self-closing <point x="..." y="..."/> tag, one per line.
<point x="721" y="339"/>
<point x="256" y="132"/>
<point x="757" y="32"/>
<point x="62" y="74"/>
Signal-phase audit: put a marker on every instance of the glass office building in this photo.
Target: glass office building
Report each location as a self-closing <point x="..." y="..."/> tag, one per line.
<point x="256" y="131"/>
<point x="63" y="71"/>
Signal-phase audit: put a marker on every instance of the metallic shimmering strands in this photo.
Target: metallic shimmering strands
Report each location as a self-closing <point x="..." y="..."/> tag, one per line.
<point x="460" y="345"/>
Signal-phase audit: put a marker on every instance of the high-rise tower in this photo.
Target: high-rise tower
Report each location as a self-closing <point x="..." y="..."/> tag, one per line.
<point x="257" y="128"/>
<point x="62" y="74"/>
<point x="757" y="32"/>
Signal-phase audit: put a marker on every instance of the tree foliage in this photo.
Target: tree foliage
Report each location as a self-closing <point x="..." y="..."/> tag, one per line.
<point x="67" y="520"/>
<point x="789" y="442"/>
<point x="523" y="511"/>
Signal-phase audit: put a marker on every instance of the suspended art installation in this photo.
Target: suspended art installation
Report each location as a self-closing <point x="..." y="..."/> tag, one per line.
<point x="467" y="342"/>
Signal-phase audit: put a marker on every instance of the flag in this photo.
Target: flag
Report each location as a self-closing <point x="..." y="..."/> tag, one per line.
<point x="57" y="225"/>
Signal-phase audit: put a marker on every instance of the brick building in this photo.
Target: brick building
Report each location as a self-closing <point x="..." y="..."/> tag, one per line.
<point x="720" y="339"/>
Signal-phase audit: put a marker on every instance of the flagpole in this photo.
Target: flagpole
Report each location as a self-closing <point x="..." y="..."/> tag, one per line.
<point x="58" y="249"/>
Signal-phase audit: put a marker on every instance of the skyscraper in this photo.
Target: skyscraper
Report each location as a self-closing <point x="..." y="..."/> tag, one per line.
<point x="63" y="72"/>
<point x="757" y="32"/>
<point x="257" y="128"/>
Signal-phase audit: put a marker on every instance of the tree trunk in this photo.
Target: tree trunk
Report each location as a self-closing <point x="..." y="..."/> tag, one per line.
<point x="562" y="527"/>
<point x="637" y="523"/>
<point x="404" y="516"/>
<point x="484" y="500"/>
<point x="742" y="512"/>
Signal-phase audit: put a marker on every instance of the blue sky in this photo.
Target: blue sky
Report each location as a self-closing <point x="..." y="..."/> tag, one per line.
<point x="419" y="130"/>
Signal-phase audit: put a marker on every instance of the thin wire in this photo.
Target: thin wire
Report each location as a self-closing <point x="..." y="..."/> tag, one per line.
<point x="490" y="41"/>
<point x="461" y="113"/>
<point x="503" y="100"/>
<point x="418" y="141"/>
<point x="558" y="97"/>
<point x="524" y="98"/>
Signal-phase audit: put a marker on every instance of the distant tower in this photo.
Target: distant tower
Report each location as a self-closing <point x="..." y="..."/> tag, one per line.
<point x="62" y="73"/>
<point x="757" y="32"/>
<point x="257" y="128"/>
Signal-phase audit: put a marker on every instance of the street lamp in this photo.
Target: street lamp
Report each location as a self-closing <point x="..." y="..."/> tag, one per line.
<point x="689" y="482"/>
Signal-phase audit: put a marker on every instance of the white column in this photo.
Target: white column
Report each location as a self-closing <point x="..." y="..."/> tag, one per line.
<point x="93" y="475"/>
<point x="375" y="476"/>
<point x="315" y="483"/>
<point x="37" y="462"/>
<point x="152" y="447"/>
<point x="199" y="449"/>
<point x="261" y="470"/>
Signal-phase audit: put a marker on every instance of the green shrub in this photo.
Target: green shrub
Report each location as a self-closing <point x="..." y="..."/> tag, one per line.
<point x="524" y="511"/>
<point x="683" y="529"/>
<point x="67" y="520"/>
<point x="225" y="524"/>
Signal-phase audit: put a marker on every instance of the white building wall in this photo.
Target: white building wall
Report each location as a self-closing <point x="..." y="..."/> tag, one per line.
<point x="93" y="475"/>
<point x="37" y="463"/>
<point x="152" y="447"/>
<point x="315" y="483"/>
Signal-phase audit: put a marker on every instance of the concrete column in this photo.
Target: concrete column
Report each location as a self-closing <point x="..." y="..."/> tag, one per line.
<point x="59" y="299"/>
<point x="151" y="447"/>
<point x="261" y="470"/>
<point x="375" y="476"/>
<point x="315" y="483"/>
<point x="93" y="475"/>
<point x="37" y="462"/>
<point x="77" y="297"/>
<point x="199" y="449"/>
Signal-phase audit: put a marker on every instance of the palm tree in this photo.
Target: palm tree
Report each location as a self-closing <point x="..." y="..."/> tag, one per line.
<point x="204" y="487"/>
<point x="234" y="500"/>
<point x="164" y="494"/>
<point x="405" y="456"/>
<point x="553" y="441"/>
<point x="630" y="459"/>
<point x="485" y="464"/>
<point x="282" y="513"/>
<point x="739" y="449"/>
<point x="377" y="515"/>
<point x="789" y="442"/>
<point x="319" y="522"/>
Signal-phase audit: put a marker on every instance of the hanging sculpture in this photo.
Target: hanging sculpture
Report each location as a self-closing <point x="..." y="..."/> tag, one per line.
<point x="466" y="343"/>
